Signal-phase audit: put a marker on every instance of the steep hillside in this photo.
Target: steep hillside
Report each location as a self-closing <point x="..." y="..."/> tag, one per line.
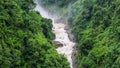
<point x="96" y="26"/>
<point x="25" y="37"/>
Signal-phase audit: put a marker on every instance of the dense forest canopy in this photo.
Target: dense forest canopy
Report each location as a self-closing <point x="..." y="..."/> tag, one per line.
<point x="25" y="37"/>
<point x="96" y="26"/>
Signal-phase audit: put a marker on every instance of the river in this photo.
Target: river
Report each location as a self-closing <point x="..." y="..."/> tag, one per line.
<point x="61" y="35"/>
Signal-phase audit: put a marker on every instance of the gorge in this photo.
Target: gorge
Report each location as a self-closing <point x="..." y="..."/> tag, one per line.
<point x="61" y="34"/>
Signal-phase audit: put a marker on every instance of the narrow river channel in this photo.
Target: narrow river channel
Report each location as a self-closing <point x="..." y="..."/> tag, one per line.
<point x="61" y="35"/>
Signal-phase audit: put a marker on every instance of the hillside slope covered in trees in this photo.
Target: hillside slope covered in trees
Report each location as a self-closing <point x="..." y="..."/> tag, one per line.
<point x="25" y="37"/>
<point x="96" y="26"/>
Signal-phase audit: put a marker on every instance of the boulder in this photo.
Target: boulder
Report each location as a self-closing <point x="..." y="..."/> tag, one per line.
<point x="66" y="28"/>
<point x="58" y="44"/>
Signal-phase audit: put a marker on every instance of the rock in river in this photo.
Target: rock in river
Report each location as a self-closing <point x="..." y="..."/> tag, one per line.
<point x="58" y="44"/>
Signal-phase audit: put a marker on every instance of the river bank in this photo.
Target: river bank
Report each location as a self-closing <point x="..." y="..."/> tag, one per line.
<point x="62" y="35"/>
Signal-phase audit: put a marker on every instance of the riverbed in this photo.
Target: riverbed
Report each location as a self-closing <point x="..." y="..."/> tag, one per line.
<point x="61" y="35"/>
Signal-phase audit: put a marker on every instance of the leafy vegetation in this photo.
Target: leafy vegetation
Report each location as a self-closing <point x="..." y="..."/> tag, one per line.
<point x="95" y="24"/>
<point x="25" y="37"/>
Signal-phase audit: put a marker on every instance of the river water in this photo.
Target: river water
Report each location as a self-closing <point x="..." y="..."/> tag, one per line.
<point x="61" y="35"/>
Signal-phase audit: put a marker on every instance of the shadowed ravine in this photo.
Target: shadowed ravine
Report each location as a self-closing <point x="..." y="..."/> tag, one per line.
<point x="61" y="35"/>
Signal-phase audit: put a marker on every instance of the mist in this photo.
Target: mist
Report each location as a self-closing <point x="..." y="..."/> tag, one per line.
<point x="63" y="42"/>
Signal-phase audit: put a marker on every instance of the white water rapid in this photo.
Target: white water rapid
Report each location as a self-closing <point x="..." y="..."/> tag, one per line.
<point x="61" y="35"/>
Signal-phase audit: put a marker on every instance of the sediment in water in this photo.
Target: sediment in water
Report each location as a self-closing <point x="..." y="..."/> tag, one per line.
<point x="62" y="35"/>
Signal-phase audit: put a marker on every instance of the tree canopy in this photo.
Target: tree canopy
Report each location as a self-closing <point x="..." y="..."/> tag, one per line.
<point x="25" y="37"/>
<point x="96" y="27"/>
<point x="95" y="24"/>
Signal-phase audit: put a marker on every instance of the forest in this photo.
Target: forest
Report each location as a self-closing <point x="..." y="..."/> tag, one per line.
<point x="96" y="27"/>
<point x="26" y="37"/>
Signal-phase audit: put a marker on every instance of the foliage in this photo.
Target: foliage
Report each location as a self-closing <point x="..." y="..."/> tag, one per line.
<point x="25" y="37"/>
<point x="95" y="24"/>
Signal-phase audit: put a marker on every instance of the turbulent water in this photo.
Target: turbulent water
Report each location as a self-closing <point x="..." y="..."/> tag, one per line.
<point x="61" y="35"/>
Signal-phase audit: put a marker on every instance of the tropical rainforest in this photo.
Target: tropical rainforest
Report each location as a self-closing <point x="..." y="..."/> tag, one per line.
<point x="96" y="27"/>
<point x="25" y="36"/>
